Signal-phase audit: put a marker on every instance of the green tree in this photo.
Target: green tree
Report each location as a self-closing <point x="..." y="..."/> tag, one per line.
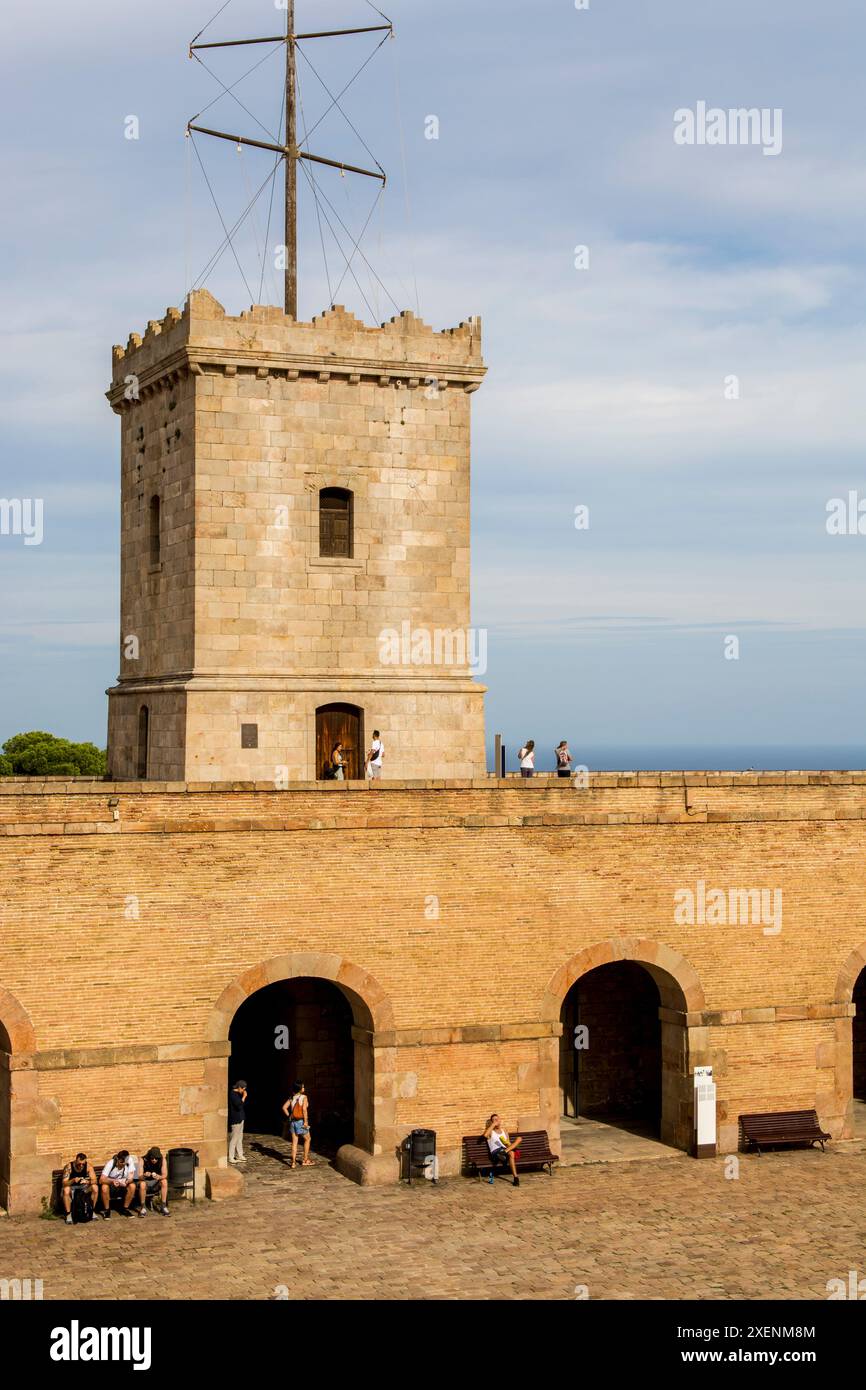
<point x="38" y="754"/>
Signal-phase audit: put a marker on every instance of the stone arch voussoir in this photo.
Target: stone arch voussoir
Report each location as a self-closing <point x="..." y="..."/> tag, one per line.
<point x="847" y="978"/>
<point x="17" y="1023"/>
<point x="660" y="960"/>
<point x="318" y="964"/>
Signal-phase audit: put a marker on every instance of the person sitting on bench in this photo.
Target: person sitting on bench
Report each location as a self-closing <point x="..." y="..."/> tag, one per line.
<point x="153" y="1179"/>
<point x="118" y="1176"/>
<point x="501" y="1148"/>
<point x="78" y="1173"/>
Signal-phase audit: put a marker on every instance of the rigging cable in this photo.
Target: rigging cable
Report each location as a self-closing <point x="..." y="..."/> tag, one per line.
<point x="229" y="91"/>
<point x="378" y="11"/>
<point x="315" y="198"/>
<point x="218" y="254"/>
<point x="344" y="90"/>
<point x="334" y="102"/>
<point x="337" y="240"/>
<point x="360" y="239"/>
<point x="327" y="200"/>
<point x="187" y="216"/>
<point x="271" y="201"/>
<point x="252" y="207"/>
<point x="216" y="16"/>
<point x="228" y="234"/>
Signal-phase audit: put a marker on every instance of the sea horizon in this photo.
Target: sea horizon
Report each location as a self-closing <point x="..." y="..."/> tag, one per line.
<point x="693" y="758"/>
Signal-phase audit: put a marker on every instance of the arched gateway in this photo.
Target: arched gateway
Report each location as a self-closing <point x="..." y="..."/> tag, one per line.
<point x="17" y="1086"/>
<point x="279" y="992"/>
<point x="630" y="999"/>
<point x="850" y="1043"/>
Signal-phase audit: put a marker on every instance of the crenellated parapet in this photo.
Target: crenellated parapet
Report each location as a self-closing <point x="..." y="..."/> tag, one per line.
<point x="265" y="342"/>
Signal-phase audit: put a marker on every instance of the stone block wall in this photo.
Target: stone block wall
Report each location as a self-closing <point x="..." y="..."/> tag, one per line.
<point x="454" y="917"/>
<point x="237" y="424"/>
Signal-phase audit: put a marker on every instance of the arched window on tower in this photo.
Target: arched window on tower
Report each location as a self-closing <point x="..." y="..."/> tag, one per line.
<point x="143" y="743"/>
<point x="154" y="533"/>
<point x="336" y="522"/>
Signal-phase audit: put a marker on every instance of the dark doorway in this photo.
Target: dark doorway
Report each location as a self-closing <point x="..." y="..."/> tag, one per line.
<point x="297" y="1030"/>
<point x="611" y="1052"/>
<point x="340" y="724"/>
<point x="5" y="1117"/>
<point x="858" y="1030"/>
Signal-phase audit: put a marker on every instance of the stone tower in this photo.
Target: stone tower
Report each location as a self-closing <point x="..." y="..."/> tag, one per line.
<point x="294" y="547"/>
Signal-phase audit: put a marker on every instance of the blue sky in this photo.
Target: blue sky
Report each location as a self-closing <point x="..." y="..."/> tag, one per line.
<point x="606" y="385"/>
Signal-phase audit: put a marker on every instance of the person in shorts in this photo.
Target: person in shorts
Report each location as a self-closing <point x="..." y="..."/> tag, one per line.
<point x="502" y="1149"/>
<point x="118" y="1175"/>
<point x="298" y="1112"/>
<point x="153" y="1181"/>
<point x="78" y="1173"/>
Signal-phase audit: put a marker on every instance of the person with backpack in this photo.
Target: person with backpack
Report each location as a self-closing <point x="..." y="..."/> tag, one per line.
<point x="563" y="759"/>
<point x="297" y="1109"/>
<point x="153" y="1179"/>
<point x="79" y="1190"/>
<point x="118" y="1175"/>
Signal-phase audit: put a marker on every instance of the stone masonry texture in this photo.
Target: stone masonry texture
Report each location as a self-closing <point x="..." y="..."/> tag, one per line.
<point x="232" y="426"/>
<point x="138" y="917"/>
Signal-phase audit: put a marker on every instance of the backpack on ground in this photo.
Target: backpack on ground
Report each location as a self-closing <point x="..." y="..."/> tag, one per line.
<point x="82" y="1205"/>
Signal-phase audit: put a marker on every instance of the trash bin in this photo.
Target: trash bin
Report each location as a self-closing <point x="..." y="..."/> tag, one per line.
<point x="420" y="1150"/>
<point x="182" y="1164"/>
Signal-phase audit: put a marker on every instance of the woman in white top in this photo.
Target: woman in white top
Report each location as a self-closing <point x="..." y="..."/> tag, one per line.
<point x="526" y="758"/>
<point x="297" y="1111"/>
<point x="501" y="1148"/>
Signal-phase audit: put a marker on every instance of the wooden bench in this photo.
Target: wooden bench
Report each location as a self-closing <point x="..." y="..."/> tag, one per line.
<point x="115" y="1194"/>
<point x="783" y="1127"/>
<point x="533" y="1152"/>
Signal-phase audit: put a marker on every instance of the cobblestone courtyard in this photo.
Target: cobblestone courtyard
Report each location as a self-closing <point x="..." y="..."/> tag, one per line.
<point x="663" y="1229"/>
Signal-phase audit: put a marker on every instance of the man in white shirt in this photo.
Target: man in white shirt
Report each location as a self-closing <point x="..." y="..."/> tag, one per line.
<point x="118" y="1175"/>
<point x="374" y="757"/>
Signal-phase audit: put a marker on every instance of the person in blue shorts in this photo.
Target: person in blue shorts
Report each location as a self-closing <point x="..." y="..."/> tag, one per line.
<point x="298" y="1111"/>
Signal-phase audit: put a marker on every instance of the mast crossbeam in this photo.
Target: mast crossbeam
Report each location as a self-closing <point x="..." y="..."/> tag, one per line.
<point x="281" y="38"/>
<point x="290" y="151"/>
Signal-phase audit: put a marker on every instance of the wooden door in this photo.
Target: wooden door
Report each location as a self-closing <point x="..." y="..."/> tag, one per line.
<point x="340" y="724"/>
